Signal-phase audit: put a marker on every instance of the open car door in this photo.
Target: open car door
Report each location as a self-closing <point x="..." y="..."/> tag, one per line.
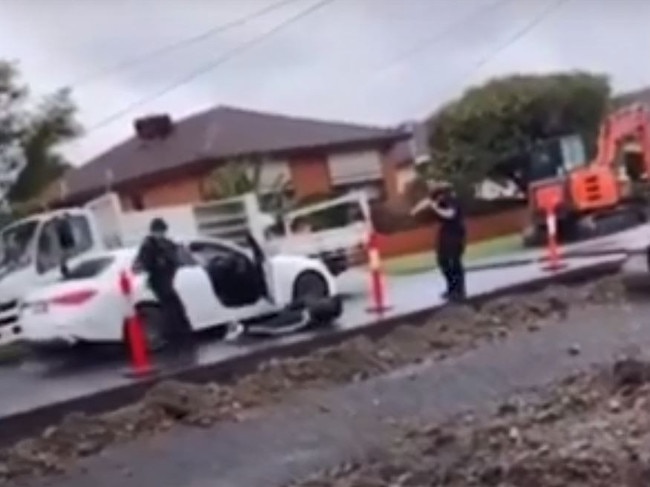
<point x="263" y="266"/>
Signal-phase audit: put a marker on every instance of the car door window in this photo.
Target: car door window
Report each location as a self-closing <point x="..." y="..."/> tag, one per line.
<point x="48" y="254"/>
<point x="89" y="268"/>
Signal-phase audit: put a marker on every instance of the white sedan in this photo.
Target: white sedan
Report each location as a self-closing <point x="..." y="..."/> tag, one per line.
<point x="220" y="284"/>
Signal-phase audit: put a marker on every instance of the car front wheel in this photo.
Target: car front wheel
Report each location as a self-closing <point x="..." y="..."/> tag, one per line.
<point x="312" y="292"/>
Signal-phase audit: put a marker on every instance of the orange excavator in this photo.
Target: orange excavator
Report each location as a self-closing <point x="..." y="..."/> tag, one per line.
<point x="596" y="196"/>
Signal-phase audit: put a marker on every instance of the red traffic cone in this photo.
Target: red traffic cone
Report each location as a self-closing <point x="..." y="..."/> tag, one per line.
<point x="141" y="365"/>
<point x="377" y="290"/>
<point x="554" y="260"/>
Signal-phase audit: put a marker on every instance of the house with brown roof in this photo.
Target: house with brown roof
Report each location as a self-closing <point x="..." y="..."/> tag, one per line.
<point x="166" y="161"/>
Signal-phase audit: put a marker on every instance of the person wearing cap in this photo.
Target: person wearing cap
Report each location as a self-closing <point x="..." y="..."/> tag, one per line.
<point x="450" y="244"/>
<point x="158" y="257"/>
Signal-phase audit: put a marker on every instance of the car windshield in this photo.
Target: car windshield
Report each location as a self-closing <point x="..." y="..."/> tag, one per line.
<point x="89" y="268"/>
<point x="15" y="241"/>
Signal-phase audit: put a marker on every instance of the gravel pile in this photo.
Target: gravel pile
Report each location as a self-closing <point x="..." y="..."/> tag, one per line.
<point x="592" y="431"/>
<point x="452" y="330"/>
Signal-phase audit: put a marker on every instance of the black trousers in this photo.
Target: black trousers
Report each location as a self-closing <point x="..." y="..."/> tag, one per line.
<point x="177" y="325"/>
<point x="450" y="261"/>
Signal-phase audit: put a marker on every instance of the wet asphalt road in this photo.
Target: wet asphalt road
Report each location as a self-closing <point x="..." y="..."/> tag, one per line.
<point x="34" y="385"/>
<point x="319" y="429"/>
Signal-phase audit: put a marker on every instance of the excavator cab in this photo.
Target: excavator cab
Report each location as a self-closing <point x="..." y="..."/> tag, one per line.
<point x="561" y="178"/>
<point x="555" y="158"/>
<point x="552" y="166"/>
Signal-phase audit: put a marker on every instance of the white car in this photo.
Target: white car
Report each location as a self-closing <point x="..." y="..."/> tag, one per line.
<point x="219" y="283"/>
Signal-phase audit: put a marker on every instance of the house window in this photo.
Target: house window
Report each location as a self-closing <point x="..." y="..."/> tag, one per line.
<point x="354" y="167"/>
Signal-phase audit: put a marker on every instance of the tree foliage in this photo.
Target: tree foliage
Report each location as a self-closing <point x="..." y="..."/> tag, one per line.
<point x="244" y="175"/>
<point x="31" y="132"/>
<point x="489" y="131"/>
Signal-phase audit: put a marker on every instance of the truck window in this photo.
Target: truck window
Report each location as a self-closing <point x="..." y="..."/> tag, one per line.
<point x="48" y="251"/>
<point x="335" y="216"/>
<point x="89" y="268"/>
<point x="83" y="240"/>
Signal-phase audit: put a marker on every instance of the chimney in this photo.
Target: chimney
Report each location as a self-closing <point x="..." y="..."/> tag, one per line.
<point x="154" y="127"/>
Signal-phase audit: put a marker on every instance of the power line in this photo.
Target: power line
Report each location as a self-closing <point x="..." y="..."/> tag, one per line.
<point x="440" y="35"/>
<point x="513" y="39"/>
<point x="423" y="44"/>
<point x="211" y="66"/>
<point x="175" y="46"/>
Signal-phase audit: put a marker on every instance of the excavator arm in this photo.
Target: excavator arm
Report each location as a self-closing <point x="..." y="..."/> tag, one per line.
<point x="602" y="184"/>
<point x="628" y="124"/>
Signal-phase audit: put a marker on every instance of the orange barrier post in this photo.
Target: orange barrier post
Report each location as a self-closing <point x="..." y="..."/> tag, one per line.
<point x="377" y="290"/>
<point x="140" y="363"/>
<point x="554" y="260"/>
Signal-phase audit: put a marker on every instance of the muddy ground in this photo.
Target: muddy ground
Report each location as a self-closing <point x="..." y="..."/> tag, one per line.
<point x="590" y="430"/>
<point x="448" y="332"/>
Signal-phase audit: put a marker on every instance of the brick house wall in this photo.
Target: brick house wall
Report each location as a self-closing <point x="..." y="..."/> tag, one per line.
<point x="307" y="174"/>
<point x="310" y="175"/>
<point x="390" y="174"/>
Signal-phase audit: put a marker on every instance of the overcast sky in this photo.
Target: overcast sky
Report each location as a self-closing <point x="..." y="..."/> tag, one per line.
<point x="376" y="61"/>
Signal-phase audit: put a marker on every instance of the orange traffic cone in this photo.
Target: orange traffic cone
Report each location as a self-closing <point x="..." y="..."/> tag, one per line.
<point x="377" y="289"/>
<point x="141" y="365"/>
<point x="554" y="260"/>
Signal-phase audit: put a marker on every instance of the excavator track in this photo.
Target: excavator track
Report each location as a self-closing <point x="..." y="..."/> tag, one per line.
<point x="589" y="228"/>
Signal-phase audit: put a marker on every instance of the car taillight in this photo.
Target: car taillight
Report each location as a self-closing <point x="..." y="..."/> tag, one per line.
<point x="73" y="298"/>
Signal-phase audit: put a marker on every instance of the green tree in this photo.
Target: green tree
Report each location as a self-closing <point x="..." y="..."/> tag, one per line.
<point x="239" y="176"/>
<point x="489" y="131"/>
<point x="37" y="129"/>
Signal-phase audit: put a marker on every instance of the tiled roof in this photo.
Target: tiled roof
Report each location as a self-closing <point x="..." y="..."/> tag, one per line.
<point x="219" y="133"/>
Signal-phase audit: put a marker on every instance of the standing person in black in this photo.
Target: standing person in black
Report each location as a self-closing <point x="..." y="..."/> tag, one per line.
<point x="158" y="256"/>
<point x="450" y="245"/>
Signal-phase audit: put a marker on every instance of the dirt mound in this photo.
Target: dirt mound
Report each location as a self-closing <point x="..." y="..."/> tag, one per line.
<point x="452" y="330"/>
<point x="591" y="431"/>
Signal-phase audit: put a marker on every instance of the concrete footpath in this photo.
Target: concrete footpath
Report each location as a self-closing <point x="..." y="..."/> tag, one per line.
<point x="314" y="430"/>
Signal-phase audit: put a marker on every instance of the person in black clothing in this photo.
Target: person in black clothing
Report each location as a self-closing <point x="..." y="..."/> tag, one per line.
<point x="450" y="245"/>
<point x="158" y="256"/>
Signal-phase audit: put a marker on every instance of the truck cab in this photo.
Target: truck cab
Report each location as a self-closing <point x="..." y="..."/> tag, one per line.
<point x="35" y="252"/>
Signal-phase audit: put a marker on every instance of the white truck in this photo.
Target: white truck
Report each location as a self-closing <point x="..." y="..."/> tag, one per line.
<point x="33" y="248"/>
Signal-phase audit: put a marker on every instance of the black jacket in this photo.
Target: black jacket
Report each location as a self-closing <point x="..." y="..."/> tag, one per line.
<point x="451" y="233"/>
<point x="158" y="257"/>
